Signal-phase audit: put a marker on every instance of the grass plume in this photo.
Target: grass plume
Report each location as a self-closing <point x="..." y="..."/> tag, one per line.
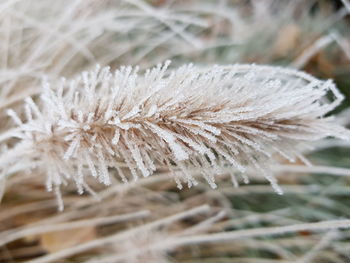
<point x="238" y="116"/>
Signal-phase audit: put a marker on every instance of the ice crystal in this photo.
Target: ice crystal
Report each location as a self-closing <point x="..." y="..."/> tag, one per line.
<point x="210" y="119"/>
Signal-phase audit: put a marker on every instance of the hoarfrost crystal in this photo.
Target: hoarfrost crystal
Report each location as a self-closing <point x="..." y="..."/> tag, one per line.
<point x="216" y="118"/>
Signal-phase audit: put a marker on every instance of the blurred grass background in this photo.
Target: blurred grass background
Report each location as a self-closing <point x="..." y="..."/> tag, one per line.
<point x="309" y="35"/>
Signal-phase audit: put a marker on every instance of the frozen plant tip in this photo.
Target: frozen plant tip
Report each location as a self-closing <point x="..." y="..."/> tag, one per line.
<point x="208" y="119"/>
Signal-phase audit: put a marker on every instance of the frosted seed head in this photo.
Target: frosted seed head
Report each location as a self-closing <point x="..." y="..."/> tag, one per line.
<point x="236" y="116"/>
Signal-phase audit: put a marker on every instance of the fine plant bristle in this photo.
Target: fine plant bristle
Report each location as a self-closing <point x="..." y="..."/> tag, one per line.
<point x="235" y="116"/>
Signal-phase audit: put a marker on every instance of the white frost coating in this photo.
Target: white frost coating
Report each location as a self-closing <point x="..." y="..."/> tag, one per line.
<point x="135" y="152"/>
<point x="178" y="152"/>
<point x="236" y="116"/>
<point x="14" y="116"/>
<point x="116" y="137"/>
<point x="103" y="171"/>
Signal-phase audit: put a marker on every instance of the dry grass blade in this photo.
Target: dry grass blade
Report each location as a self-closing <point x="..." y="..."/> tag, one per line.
<point x="11" y="235"/>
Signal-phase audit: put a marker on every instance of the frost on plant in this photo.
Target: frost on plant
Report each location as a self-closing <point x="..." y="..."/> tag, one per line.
<point x="209" y="120"/>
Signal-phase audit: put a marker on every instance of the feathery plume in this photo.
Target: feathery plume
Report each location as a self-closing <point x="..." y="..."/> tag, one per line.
<point x="235" y="116"/>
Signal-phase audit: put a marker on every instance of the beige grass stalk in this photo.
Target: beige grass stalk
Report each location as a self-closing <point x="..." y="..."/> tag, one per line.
<point x="171" y="243"/>
<point x="123" y="235"/>
<point x="11" y="235"/>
